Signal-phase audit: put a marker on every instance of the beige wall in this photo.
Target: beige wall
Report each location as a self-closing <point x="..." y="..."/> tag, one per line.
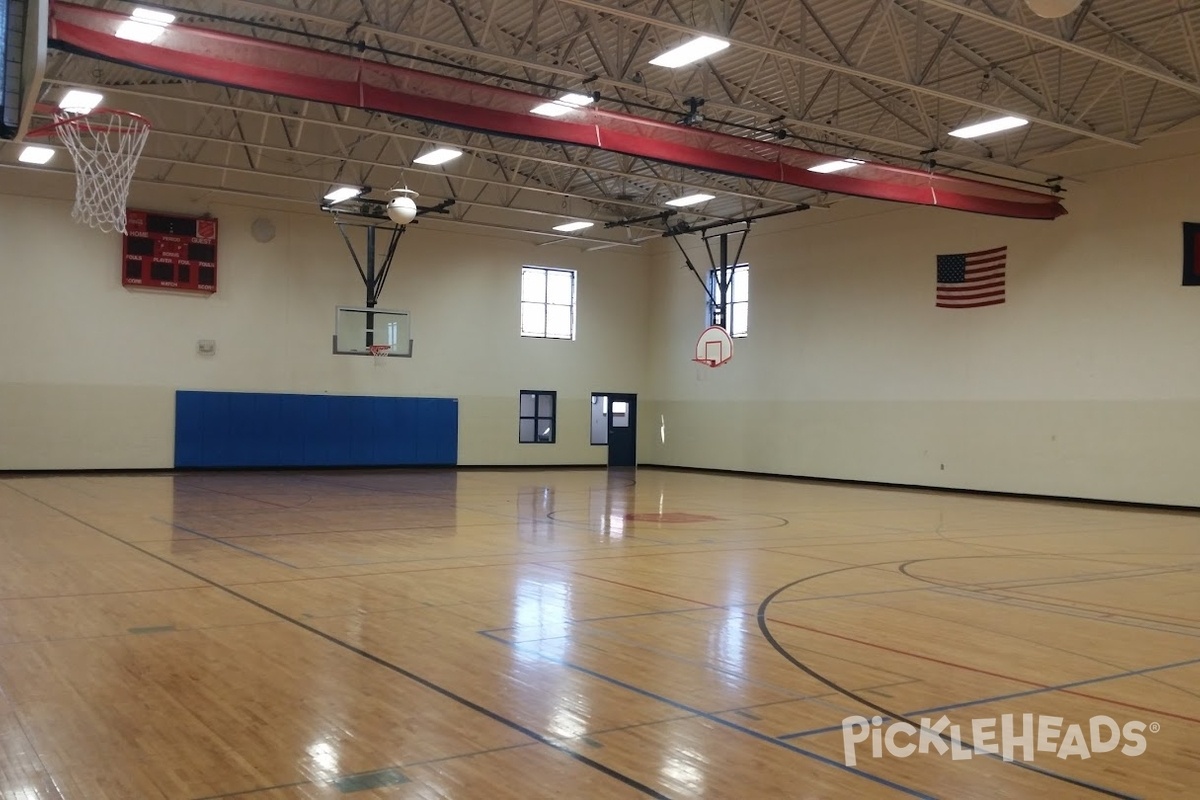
<point x="88" y="369"/>
<point x="1084" y="384"/>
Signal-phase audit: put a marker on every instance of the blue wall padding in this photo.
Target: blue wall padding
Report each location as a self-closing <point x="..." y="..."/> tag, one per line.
<point x="245" y="429"/>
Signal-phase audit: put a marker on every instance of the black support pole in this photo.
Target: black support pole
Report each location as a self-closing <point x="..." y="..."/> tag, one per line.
<point x="370" y="282"/>
<point x="721" y="273"/>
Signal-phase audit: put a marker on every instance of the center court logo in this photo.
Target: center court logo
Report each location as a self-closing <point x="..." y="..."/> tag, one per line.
<point x="1010" y="737"/>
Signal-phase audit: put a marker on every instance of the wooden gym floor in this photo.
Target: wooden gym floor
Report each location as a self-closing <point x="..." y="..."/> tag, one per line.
<point x="578" y="634"/>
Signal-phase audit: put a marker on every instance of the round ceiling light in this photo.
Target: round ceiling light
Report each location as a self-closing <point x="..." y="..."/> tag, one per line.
<point x="402" y="209"/>
<point x="1053" y="9"/>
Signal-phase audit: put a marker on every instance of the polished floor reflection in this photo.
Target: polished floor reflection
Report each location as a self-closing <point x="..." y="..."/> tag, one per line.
<point x="586" y="634"/>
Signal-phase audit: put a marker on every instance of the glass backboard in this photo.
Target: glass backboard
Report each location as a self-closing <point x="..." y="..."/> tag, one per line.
<point x="356" y="329"/>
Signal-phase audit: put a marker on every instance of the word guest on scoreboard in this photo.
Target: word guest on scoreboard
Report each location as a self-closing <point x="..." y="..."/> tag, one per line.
<point x="170" y="252"/>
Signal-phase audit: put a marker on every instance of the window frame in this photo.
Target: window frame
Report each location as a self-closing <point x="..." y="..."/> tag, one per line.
<point x="537" y="417"/>
<point x="710" y="304"/>
<point x="597" y="399"/>
<point x="546" y="303"/>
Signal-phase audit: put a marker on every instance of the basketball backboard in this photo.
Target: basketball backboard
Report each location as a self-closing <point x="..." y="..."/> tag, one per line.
<point x="356" y="329"/>
<point x="714" y="347"/>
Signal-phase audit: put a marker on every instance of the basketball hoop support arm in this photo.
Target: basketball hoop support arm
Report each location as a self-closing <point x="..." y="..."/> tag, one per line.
<point x="373" y="280"/>
<point x="365" y="208"/>
<point x="723" y="272"/>
<point x="692" y="267"/>
<point x="725" y="275"/>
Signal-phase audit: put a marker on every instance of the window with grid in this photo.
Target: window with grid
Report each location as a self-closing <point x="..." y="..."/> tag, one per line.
<point x="548" y="303"/>
<point x="736" y="308"/>
<point x="536" y="425"/>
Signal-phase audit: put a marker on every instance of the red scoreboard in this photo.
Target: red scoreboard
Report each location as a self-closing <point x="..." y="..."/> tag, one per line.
<point x="169" y="252"/>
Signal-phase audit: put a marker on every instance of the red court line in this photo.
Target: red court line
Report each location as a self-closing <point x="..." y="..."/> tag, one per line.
<point x="984" y="671"/>
<point x="911" y="654"/>
<point x="905" y="653"/>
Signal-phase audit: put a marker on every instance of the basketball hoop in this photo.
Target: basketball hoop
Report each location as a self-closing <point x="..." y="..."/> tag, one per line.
<point x="105" y="145"/>
<point x="379" y="352"/>
<point x="714" y="347"/>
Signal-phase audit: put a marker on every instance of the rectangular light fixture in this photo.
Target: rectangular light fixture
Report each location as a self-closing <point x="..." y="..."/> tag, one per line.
<point x="153" y="17"/>
<point x="570" y="227"/>
<point x="551" y="109"/>
<point x="36" y="154"/>
<point x="836" y="166"/>
<point x="990" y="126"/>
<point x="573" y="99"/>
<point x="78" y="101"/>
<point x="696" y="49"/>
<point x="438" y="156"/>
<point x="144" y="25"/>
<point x="568" y="102"/>
<point x="690" y="200"/>
<point x="343" y="193"/>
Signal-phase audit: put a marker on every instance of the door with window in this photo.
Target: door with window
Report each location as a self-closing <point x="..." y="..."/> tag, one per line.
<point x="622" y="430"/>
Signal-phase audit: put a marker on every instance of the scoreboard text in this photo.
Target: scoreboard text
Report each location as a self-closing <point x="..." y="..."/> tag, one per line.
<point x="169" y="252"/>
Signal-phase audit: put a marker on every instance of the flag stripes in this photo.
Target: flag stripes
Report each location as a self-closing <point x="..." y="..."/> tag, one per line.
<point x="971" y="280"/>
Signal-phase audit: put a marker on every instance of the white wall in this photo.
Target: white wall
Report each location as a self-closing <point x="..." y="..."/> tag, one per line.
<point x="1086" y="383"/>
<point x="88" y="369"/>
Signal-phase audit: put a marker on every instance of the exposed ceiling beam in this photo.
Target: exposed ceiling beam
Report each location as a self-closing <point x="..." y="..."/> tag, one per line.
<point x="1063" y="44"/>
<point x="565" y="161"/>
<point x="198" y="187"/>
<point x="850" y="136"/>
<point x="821" y="63"/>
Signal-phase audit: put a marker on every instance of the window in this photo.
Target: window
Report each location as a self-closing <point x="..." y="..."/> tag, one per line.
<point x="548" y="303"/>
<point x="599" y="418"/>
<point x="734" y="313"/>
<point x="537" y="417"/>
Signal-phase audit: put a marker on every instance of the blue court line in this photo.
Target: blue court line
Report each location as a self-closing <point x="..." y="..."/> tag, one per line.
<point x="723" y="722"/>
<point x="494" y="633"/>
<point x="729" y="607"/>
<point x="230" y="545"/>
<point x="1034" y="602"/>
<point x="779" y="741"/>
<point x="626" y="616"/>
<point x="1012" y="695"/>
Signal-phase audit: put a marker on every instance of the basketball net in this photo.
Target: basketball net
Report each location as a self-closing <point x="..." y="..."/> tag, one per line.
<point x="105" y="146"/>
<point x="380" y="353"/>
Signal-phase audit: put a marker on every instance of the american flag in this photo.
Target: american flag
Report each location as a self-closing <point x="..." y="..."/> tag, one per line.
<point x="971" y="280"/>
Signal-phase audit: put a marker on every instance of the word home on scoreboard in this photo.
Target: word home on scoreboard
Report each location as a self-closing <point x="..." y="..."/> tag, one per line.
<point x="169" y="252"/>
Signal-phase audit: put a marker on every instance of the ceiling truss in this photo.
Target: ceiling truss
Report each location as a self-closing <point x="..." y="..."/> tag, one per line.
<point x="873" y="79"/>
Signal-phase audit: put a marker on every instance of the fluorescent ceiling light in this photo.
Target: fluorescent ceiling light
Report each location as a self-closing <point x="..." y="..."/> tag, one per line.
<point x="552" y="109"/>
<point x="36" y="154"/>
<point x="161" y="18"/>
<point x="343" y="193"/>
<point x="836" y="166"/>
<point x="690" y="200"/>
<point x="573" y="99"/>
<point x="570" y="227"/>
<point x="78" y="101"/>
<point x="991" y="126"/>
<point x="568" y="102"/>
<point x="141" y="32"/>
<point x="144" y="25"/>
<point x="694" y="50"/>
<point x="438" y="156"/>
